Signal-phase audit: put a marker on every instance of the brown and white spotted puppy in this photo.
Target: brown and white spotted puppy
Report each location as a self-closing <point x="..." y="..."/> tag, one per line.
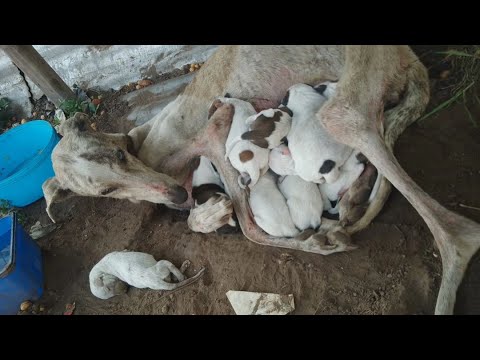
<point x="316" y="154"/>
<point x="206" y="185"/>
<point x="269" y="127"/>
<point x="349" y="173"/>
<point x="250" y="160"/>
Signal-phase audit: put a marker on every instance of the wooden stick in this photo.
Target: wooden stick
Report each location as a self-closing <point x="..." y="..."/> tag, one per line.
<point x="33" y="65"/>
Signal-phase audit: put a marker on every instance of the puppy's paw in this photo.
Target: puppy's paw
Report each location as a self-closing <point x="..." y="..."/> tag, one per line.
<point x="211" y="215"/>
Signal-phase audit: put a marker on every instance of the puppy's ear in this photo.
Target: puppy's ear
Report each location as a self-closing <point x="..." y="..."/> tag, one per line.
<point x="54" y="192"/>
<point x="77" y="124"/>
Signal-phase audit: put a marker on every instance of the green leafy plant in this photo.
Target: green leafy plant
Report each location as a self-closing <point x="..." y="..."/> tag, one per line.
<point x="6" y="209"/>
<point x="71" y="106"/>
<point x="466" y="71"/>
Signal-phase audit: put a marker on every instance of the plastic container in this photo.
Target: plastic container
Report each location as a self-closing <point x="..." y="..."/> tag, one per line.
<point x="21" y="273"/>
<point x="25" y="161"/>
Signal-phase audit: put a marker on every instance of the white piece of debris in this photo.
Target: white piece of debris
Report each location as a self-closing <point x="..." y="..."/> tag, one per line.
<point x="38" y="230"/>
<point x="253" y="303"/>
<point x="60" y="116"/>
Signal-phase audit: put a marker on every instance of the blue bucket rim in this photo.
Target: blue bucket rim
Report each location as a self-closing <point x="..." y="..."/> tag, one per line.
<point x="8" y="268"/>
<point x="36" y="160"/>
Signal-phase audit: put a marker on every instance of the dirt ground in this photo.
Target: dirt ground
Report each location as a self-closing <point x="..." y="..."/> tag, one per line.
<point x="396" y="270"/>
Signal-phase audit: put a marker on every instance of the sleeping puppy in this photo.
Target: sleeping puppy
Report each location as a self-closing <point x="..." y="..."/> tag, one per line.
<point x="270" y="209"/>
<point x="206" y="184"/>
<point x="250" y="160"/>
<point x="316" y="154"/>
<point x="269" y="127"/>
<point x="303" y="200"/>
<point x="280" y="161"/>
<point x="349" y="172"/>
<point x="110" y="276"/>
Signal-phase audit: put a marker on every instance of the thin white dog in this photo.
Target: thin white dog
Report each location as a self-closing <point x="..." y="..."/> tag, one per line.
<point x="110" y="276"/>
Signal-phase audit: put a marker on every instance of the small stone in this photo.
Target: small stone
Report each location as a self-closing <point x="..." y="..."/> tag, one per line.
<point x="42" y="308"/>
<point x="93" y="126"/>
<point x="102" y="112"/>
<point x="165" y="309"/>
<point x="23" y="121"/>
<point x="138" y="87"/>
<point x="42" y="117"/>
<point x="34" y="114"/>
<point x="389" y="276"/>
<point x="24" y="306"/>
<point x="444" y="74"/>
<point x="382" y="293"/>
<point x="354" y="294"/>
<point x="145" y="82"/>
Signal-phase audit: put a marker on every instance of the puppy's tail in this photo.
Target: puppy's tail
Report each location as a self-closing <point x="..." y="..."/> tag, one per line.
<point x="180" y="285"/>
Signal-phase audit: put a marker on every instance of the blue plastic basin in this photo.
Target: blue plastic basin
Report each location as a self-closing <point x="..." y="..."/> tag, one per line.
<point x="21" y="273"/>
<point x="25" y="161"/>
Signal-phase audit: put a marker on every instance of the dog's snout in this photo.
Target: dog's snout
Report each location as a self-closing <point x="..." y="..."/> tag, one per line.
<point x="178" y="195"/>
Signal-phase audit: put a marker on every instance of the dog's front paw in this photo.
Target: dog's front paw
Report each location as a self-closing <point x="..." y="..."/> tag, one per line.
<point x="211" y="215"/>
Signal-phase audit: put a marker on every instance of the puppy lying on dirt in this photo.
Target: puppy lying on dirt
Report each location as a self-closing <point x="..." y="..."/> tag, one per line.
<point x="110" y="276"/>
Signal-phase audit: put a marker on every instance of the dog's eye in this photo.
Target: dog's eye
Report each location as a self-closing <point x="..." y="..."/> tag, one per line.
<point x="120" y="155"/>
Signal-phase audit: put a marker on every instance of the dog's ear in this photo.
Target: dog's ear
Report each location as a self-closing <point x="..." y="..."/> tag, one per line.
<point x="77" y="124"/>
<point x="54" y="192"/>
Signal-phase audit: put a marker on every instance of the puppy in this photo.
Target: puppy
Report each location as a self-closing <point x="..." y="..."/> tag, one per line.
<point x="250" y="160"/>
<point x="269" y="127"/>
<point x="110" y="276"/>
<point x="303" y="200"/>
<point x="317" y="156"/>
<point x="349" y="172"/>
<point x="270" y="209"/>
<point x="280" y="161"/>
<point x="207" y="184"/>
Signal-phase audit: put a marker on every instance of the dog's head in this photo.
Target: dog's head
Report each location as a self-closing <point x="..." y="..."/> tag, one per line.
<point x="91" y="163"/>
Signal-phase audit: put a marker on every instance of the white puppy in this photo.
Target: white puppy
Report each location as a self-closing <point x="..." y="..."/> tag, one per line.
<point x="270" y="208"/>
<point x="269" y="127"/>
<point x="250" y="160"/>
<point x="316" y="154"/>
<point x="303" y="200"/>
<point x="280" y="161"/>
<point x="109" y="275"/>
<point x="349" y="172"/>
